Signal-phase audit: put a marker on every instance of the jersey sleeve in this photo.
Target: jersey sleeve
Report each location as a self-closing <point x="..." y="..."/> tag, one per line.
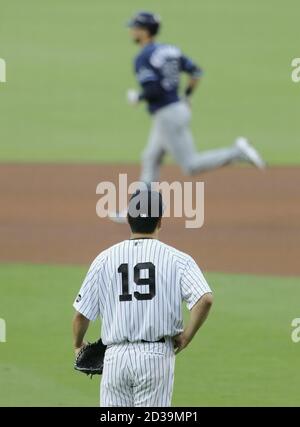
<point x="188" y="66"/>
<point x="145" y="73"/>
<point x="193" y="284"/>
<point x="88" y="300"/>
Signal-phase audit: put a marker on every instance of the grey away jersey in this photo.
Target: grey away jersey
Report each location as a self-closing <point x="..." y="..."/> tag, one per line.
<point x="137" y="288"/>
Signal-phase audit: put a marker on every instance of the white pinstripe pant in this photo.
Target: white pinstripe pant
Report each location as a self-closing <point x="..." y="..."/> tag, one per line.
<point x="138" y="374"/>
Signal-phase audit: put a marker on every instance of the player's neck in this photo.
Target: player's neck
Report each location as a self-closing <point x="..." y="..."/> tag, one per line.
<point x="135" y="236"/>
<point x="145" y="42"/>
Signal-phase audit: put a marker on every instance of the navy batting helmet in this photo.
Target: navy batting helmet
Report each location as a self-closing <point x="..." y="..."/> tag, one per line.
<point x="146" y="20"/>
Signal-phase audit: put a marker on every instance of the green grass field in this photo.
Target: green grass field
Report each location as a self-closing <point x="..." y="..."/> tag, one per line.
<point x="69" y="65"/>
<point x="243" y="356"/>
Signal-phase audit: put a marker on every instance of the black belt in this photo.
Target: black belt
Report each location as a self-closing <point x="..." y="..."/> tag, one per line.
<point x="161" y="340"/>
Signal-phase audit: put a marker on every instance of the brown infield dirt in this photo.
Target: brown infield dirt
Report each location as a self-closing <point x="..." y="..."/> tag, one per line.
<point x="252" y="218"/>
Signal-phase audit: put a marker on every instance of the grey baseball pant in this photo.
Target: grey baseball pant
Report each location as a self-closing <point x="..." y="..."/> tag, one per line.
<point x="171" y="133"/>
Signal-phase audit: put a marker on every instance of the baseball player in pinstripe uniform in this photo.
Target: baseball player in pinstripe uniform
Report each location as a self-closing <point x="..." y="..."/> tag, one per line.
<point x="137" y="288"/>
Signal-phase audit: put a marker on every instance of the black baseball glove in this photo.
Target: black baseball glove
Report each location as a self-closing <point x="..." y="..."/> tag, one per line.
<point x="90" y="358"/>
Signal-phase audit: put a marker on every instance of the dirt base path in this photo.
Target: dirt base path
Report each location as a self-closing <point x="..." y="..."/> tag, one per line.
<point x="252" y="218"/>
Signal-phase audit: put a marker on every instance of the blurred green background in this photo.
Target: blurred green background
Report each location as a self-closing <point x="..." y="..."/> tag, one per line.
<point x="69" y="66"/>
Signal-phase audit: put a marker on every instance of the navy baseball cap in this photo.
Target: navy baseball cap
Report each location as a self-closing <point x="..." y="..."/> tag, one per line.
<point x="146" y="204"/>
<point x="147" y="20"/>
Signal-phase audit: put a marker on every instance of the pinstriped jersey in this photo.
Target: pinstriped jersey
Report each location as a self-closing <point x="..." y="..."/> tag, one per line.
<point x="137" y="288"/>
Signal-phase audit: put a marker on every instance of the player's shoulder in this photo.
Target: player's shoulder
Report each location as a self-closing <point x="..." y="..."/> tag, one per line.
<point x="106" y="253"/>
<point x="163" y="52"/>
<point x="177" y="255"/>
<point x="155" y="54"/>
<point x="145" y="54"/>
<point x="169" y="46"/>
<point x="103" y="256"/>
<point x="98" y="262"/>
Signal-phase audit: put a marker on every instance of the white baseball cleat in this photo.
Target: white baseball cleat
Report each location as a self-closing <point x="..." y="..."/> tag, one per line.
<point x="249" y="152"/>
<point x="118" y="217"/>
